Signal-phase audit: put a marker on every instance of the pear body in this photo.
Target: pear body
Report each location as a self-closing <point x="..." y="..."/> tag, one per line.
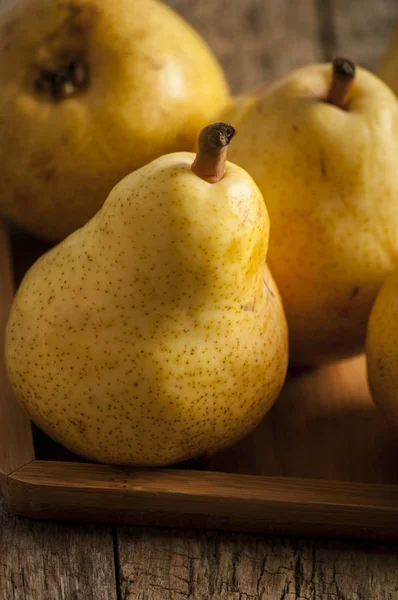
<point x="330" y="183"/>
<point x="382" y="349"/>
<point x="155" y="333"/>
<point x="145" y="85"/>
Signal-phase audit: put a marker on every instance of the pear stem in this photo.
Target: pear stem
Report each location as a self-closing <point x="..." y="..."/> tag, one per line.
<point x="342" y="82"/>
<point x="209" y="163"/>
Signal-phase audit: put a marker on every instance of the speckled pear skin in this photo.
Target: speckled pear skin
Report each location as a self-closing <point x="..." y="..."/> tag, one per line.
<point x="155" y="333"/>
<point x="330" y="181"/>
<point x="382" y="349"/>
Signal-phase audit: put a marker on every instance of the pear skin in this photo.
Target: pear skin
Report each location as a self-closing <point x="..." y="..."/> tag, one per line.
<point x="382" y="350"/>
<point x="329" y="177"/>
<point x="155" y="333"/>
<point x="92" y="90"/>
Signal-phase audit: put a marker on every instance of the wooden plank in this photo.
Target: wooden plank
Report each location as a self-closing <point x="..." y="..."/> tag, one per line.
<point x="54" y="561"/>
<point x="155" y="565"/>
<point x="254" y="40"/>
<point x="358" y="30"/>
<point x="171" y="497"/>
<point x="16" y="445"/>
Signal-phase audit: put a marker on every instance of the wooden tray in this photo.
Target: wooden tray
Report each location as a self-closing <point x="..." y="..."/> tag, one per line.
<point x="323" y="461"/>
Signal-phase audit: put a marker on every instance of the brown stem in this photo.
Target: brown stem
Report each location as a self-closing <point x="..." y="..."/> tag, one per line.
<point x="209" y="163"/>
<point x="342" y="82"/>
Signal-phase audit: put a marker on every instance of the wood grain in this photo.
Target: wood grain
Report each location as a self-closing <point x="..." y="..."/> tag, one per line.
<point x="358" y="30"/>
<point x="16" y="445"/>
<point x="255" y="40"/>
<point x="53" y="561"/>
<point x="178" y="497"/>
<point x="208" y="565"/>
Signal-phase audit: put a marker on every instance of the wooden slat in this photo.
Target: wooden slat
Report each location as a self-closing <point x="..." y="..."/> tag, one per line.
<point x="203" y="499"/>
<point x="53" y="561"/>
<point x="360" y="30"/>
<point x="255" y="40"/>
<point x="228" y="566"/>
<point x="16" y="446"/>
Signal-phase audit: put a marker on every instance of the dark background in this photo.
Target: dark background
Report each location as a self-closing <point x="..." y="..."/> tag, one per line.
<point x="256" y="40"/>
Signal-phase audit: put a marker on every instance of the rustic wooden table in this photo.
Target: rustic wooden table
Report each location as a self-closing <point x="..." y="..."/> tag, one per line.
<point x="255" y="40"/>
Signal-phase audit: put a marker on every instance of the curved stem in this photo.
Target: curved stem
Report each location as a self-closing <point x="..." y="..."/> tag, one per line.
<point x="342" y="82"/>
<point x="209" y="163"/>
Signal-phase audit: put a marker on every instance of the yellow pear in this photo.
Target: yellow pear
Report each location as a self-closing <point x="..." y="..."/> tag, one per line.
<point x="382" y="349"/>
<point x="155" y="333"/>
<point x="322" y="145"/>
<point x="90" y="91"/>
